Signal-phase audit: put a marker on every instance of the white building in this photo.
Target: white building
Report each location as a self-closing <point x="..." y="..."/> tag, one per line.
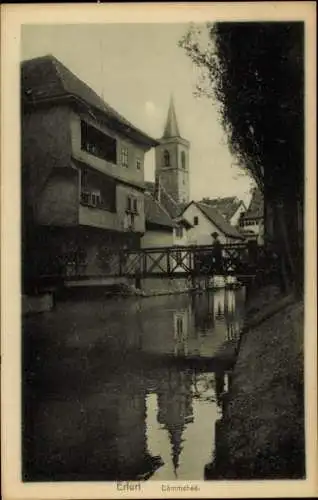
<point x="162" y="231"/>
<point x="205" y="221"/>
<point x="159" y="225"/>
<point x="252" y="221"/>
<point x="230" y="207"/>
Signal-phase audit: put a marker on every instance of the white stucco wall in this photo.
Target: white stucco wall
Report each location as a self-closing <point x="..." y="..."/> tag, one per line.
<point x="152" y="239"/>
<point x="184" y="241"/>
<point x="181" y="241"/>
<point x="155" y="239"/>
<point x="257" y="229"/>
<point x="201" y="234"/>
<point x="236" y="217"/>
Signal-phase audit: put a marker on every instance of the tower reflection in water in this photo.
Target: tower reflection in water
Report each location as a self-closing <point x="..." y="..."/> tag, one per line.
<point x="179" y="424"/>
<point x="175" y="409"/>
<point x="186" y="402"/>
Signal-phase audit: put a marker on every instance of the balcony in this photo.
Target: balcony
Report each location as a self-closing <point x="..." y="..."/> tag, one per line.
<point x="90" y="199"/>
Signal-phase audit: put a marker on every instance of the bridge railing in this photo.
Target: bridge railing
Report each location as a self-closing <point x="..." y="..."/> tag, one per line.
<point x="234" y="259"/>
<point x="237" y="259"/>
<point x="168" y="261"/>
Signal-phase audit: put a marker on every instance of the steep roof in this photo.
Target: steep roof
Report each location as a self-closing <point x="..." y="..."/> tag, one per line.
<point x="256" y="206"/>
<point x="171" y="128"/>
<point x="46" y="78"/>
<point x="150" y="187"/>
<point x="184" y="222"/>
<point x="218" y="220"/>
<point x="226" y="206"/>
<point x="171" y="206"/>
<point x="155" y="213"/>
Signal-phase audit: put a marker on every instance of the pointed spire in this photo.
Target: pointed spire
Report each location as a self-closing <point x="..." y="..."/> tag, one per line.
<point x="175" y="436"/>
<point x="171" y="128"/>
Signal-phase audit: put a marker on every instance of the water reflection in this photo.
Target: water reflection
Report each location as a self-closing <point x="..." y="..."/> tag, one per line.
<point x="104" y="401"/>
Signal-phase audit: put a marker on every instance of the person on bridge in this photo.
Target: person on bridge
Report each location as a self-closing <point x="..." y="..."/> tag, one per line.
<point x="217" y="253"/>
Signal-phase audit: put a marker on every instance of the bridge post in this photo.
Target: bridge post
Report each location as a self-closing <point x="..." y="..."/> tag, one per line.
<point x="144" y="264"/>
<point x="121" y="262"/>
<point x="168" y="261"/>
<point x="193" y="282"/>
<point x="195" y="268"/>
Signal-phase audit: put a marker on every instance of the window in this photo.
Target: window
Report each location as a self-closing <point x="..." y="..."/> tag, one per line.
<point x="183" y="160"/>
<point x="195" y="221"/>
<point x="129" y="204"/>
<point x="179" y="232"/>
<point x="135" y="206"/>
<point x="124" y="157"/>
<point x="85" y="197"/>
<point x="132" y="205"/>
<point x="91" y="199"/>
<point x="95" y="199"/>
<point x="249" y="222"/>
<point x="138" y="163"/>
<point x="96" y="143"/>
<point x="179" y="327"/>
<point x="98" y="190"/>
<point x="166" y="158"/>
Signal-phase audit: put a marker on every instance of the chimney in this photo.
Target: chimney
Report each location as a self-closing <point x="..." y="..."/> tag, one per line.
<point x="157" y="192"/>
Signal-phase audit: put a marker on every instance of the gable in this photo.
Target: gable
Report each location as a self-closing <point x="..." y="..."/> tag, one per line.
<point x="256" y="206"/>
<point x="192" y="211"/>
<point x="241" y="209"/>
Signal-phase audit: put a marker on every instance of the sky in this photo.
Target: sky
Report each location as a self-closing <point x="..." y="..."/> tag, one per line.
<point x="136" y="68"/>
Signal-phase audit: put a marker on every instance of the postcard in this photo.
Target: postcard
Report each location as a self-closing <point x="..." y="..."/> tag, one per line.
<point x="158" y="241"/>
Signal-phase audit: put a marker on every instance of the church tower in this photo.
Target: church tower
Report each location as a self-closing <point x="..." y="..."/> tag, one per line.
<point x="172" y="160"/>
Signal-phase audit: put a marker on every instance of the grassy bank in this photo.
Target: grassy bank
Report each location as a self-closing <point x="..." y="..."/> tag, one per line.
<point x="261" y="434"/>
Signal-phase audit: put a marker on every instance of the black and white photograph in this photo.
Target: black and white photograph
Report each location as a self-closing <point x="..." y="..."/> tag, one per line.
<point x="162" y="255"/>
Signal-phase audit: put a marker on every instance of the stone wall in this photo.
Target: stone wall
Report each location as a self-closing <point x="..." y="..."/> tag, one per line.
<point x="162" y="286"/>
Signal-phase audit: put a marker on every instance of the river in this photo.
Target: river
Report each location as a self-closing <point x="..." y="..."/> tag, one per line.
<point x="127" y="388"/>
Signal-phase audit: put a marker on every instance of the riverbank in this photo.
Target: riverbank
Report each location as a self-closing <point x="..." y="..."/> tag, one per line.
<point x="261" y="434"/>
<point x="45" y="301"/>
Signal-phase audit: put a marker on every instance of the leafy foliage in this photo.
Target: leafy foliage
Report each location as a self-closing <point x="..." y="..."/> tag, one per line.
<point x="255" y="71"/>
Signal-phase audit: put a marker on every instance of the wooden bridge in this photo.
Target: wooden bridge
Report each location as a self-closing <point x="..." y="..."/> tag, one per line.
<point x="191" y="262"/>
<point x="183" y="261"/>
<point x="180" y="261"/>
